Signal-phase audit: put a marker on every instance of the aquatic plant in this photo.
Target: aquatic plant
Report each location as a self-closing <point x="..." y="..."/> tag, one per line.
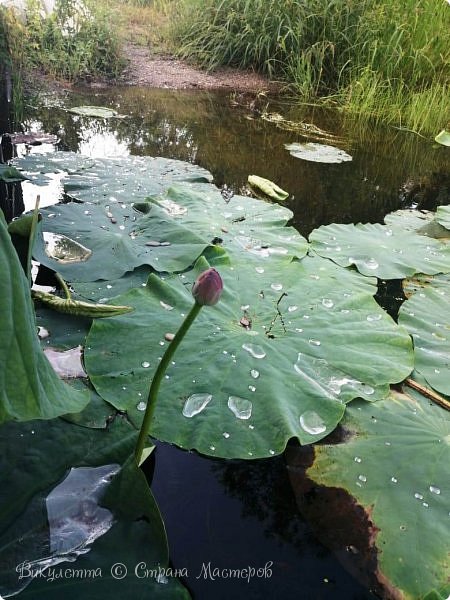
<point x="206" y="291"/>
<point x="297" y="347"/>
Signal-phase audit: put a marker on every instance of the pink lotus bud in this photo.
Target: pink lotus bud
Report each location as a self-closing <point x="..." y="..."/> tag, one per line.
<point x="207" y="288"/>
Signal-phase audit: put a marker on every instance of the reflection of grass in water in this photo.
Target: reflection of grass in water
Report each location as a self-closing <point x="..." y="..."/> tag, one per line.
<point x="205" y="128"/>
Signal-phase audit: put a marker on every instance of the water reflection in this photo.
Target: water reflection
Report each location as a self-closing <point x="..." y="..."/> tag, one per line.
<point x="390" y="168"/>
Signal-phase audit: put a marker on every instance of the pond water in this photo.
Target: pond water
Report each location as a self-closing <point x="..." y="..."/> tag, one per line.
<point x="239" y="514"/>
<point x="390" y="169"/>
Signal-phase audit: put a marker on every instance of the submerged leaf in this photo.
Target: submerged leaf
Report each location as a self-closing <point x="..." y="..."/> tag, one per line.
<point x="318" y="152"/>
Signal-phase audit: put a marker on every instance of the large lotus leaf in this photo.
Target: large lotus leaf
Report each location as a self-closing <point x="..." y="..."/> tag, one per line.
<point x="240" y="225"/>
<point x="426" y="316"/>
<point x="35" y="455"/>
<point x="423" y="222"/>
<point x="30" y="389"/>
<point x="119" y="243"/>
<point x="34" y="458"/>
<point x="280" y="354"/>
<point x="130" y="560"/>
<point x="59" y="330"/>
<point x="107" y="180"/>
<point x="381" y="251"/>
<point x="395" y="463"/>
<point x="408" y="219"/>
<point x="104" y="291"/>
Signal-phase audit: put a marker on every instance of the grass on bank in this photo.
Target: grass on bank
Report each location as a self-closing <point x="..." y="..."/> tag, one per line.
<point x="382" y="59"/>
<point x="75" y="42"/>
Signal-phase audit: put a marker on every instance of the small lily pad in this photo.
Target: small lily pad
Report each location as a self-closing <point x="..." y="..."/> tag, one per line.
<point x="314" y="152"/>
<point x="101" y="112"/>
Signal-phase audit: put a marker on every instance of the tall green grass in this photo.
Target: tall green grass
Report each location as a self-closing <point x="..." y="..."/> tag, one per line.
<point x="383" y="59"/>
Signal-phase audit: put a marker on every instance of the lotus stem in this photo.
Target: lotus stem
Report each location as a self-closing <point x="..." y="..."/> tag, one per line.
<point x="157" y="378"/>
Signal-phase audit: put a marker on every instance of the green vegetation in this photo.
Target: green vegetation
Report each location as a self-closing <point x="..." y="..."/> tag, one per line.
<point x="74" y="42"/>
<point x="386" y="59"/>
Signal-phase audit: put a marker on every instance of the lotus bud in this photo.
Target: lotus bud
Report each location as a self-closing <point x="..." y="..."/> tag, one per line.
<point x="207" y="288"/>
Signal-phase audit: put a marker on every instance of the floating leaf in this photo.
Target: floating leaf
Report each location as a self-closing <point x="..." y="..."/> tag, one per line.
<point x="109" y="180"/>
<point x="30" y="387"/>
<point x="381" y="251"/>
<point x="267" y="187"/>
<point x="101" y="112"/>
<point x="443" y="216"/>
<point x="242" y="224"/>
<point x="318" y="152"/>
<point x="10" y="174"/>
<point x="33" y="459"/>
<point x="426" y="316"/>
<point x="408" y="219"/>
<point x="40" y="529"/>
<point x="280" y="355"/>
<point x="443" y="137"/>
<point x="404" y="494"/>
<point x="119" y="243"/>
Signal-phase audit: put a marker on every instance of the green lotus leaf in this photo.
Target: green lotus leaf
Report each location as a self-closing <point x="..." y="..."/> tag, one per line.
<point x="443" y="216"/>
<point x="443" y="137"/>
<point x="34" y="458"/>
<point x="36" y="455"/>
<point x="118" y="243"/>
<point x="101" y="112"/>
<point x="277" y="357"/>
<point x="267" y="187"/>
<point x="408" y="219"/>
<point x="242" y="225"/>
<point x="395" y="464"/>
<point x="423" y="222"/>
<point x="426" y="316"/>
<point x="108" y="180"/>
<point x="314" y="152"/>
<point x="381" y="251"/>
<point x="10" y="174"/>
<point x="30" y="387"/>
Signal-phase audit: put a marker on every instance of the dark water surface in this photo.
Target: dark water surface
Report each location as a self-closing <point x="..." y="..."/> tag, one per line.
<point x="240" y="514"/>
<point x="390" y="169"/>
